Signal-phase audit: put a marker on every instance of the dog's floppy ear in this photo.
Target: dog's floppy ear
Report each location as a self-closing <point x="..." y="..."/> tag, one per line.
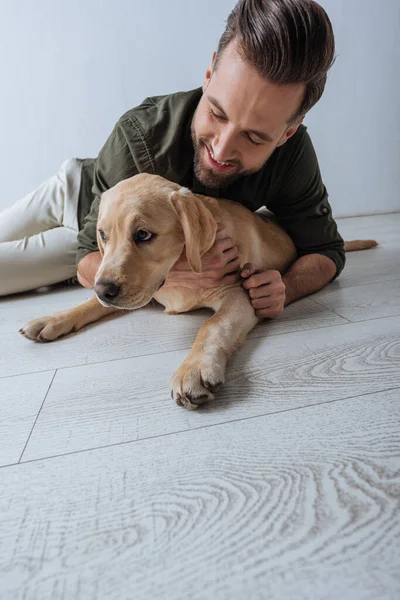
<point x="99" y="240"/>
<point x="100" y="244"/>
<point x="198" y="224"/>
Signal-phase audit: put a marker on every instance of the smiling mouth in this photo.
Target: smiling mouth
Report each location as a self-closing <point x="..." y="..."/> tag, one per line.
<point x="220" y="167"/>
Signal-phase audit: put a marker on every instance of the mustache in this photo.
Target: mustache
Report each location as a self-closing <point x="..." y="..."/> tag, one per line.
<point x="204" y="142"/>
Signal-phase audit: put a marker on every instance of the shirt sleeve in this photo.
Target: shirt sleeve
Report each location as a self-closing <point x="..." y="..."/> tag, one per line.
<point x="301" y="204"/>
<point x="115" y="162"/>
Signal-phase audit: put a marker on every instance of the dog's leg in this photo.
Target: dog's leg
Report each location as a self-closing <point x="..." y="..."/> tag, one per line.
<point x="204" y="369"/>
<point x="48" y="329"/>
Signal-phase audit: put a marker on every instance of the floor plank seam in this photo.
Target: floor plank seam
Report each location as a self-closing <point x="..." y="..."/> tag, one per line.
<point x="368" y="319"/>
<point x="358" y="285"/>
<point x="188" y="348"/>
<point x="267" y="335"/>
<point x="183" y="431"/>
<point x="37" y="416"/>
<point x="374" y="319"/>
<point x="348" y="320"/>
<point x="23" y="374"/>
<point x="377" y="214"/>
<point x="332" y="311"/>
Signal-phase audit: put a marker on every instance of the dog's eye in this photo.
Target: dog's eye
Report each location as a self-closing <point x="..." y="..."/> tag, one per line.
<point x="143" y="236"/>
<point x="102" y="235"/>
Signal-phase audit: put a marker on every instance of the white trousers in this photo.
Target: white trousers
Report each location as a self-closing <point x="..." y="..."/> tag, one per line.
<point x="38" y="234"/>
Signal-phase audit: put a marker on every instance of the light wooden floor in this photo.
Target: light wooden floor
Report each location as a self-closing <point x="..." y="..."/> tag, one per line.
<point x="288" y="487"/>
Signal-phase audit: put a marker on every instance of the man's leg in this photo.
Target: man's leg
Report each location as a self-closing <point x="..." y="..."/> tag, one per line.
<point x="38" y="234"/>
<point x="38" y="260"/>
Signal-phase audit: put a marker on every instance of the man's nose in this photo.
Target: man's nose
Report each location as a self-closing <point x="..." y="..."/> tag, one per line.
<point x="223" y="148"/>
<point x="107" y="290"/>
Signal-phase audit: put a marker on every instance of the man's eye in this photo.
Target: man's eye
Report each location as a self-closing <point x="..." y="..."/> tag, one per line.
<point x="253" y="142"/>
<point x="102" y="235"/>
<point x="143" y="236"/>
<point x="220" y="117"/>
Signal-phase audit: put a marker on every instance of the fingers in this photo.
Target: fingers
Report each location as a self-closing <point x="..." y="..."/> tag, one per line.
<point x="266" y="302"/>
<point x="219" y="247"/>
<point x="220" y="231"/>
<point x="221" y="226"/>
<point x="259" y="277"/>
<point x="260" y="292"/>
<point x="232" y="266"/>
<point x="230" y="255"/>
<point x="254" y="281"/>
<point x="223" y="245"/>
<point x="221" y="253"/>
<point x="249" y="269"/>
<point x="269" y="313"/>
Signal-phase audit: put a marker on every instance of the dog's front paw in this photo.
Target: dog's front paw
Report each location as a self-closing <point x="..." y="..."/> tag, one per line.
<point x="195" y="381"/>
<point x="48" y="329"/>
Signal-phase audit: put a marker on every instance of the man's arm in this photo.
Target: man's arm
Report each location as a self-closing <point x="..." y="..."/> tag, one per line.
<point x="270" y="292"/>
<point x="300" y="204"/>
<point x="87" y="269"/>
<point x="115" y="162"/>
<point x="307" y="275"/>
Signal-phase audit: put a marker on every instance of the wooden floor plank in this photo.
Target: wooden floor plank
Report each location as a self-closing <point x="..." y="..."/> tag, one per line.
<point x="140" y="333"/>
<point x="383" y="228"/>
<point x="125" y="400"/>
<point x="362" y="303"/>
<point x="16" y="310"/>
<point x="225" y="503"/>
<point x="380" y="265"/>
<point x="20" y="400"/>
<point x="149" y="331"/>
<point x="303" y="504"/>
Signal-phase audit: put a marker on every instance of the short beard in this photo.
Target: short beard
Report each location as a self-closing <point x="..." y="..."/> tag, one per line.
<point x="204" y="174"/>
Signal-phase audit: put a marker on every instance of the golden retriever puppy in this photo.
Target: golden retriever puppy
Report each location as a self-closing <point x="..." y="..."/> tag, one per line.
<point x="143" y="226"/>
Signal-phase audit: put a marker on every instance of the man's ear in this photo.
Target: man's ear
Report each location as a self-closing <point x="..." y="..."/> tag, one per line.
<point x="198" y="225"/>
<point x="289" y="132"/>
<point x="209" y="72"/>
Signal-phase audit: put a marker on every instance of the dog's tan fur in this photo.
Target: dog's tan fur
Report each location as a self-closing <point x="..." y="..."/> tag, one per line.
<point x="178" y="218"/>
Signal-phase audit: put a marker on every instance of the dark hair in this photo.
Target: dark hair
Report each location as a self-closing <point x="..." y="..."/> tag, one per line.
<point x="286" y="41"/>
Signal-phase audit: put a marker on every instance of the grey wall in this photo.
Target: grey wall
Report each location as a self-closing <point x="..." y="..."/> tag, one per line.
<point x="356" y="125"/>
<point x="69" y="70"/>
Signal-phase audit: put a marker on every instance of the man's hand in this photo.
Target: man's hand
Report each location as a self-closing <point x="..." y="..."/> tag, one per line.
<point x="87" y="269"/>
<point x="266" y="290"/>
<point x="219" y="266"/>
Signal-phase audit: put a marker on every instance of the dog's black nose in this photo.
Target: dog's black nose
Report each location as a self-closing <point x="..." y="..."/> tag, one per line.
<point x="107" y="290"/>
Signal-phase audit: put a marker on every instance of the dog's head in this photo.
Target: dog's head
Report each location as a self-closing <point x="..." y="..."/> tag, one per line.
<point x="143" y="225"/>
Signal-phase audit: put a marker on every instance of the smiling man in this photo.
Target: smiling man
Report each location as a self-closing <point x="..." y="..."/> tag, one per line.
<point x="238" y="137"/>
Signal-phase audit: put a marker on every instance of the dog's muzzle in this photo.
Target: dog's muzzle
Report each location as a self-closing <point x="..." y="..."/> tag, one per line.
<point x="107" y="291"/>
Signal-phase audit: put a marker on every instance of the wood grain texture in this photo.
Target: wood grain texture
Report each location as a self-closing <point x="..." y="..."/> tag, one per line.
<point x="302" y="505"/>
<point x="299" y="504"/>
<point x="148" y="331"/>
<point x="20" y="401"/>
<point x="139" y="333"/>
<point x="126" y="400"/>
<point x="362" y="303"/>
<point x="16" y="310"/>
<point x="381" y="265"/>
<point x="382" y="228"/>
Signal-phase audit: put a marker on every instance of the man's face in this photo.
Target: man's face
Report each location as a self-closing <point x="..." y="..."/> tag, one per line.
<point x="240" y="120"/>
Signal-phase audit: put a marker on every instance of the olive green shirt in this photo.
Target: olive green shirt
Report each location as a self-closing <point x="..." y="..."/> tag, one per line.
<point x="155" y="138"/>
